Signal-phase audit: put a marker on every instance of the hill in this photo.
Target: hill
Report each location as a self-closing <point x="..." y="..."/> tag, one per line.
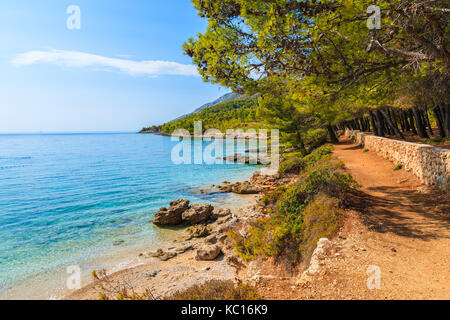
<point x="222" y="116"/>
<point x="229" y="111"/>
<point x="226" y="97"/>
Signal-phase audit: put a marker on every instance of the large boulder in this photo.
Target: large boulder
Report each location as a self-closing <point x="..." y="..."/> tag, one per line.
<point x="240" y="188"/>
<point x="198" y="213"/>
<point x="245" y="188"/>
<point x="220" y="213"/>
<point x="208" y="252"/>
<point x="198" y="231"/>
<point x="172" y="215"/>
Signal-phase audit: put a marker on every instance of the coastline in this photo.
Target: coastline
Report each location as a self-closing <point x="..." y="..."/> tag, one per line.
<point x="164" y="278"/>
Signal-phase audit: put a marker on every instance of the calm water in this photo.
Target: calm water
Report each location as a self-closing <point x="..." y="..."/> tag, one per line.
<point x="65" y="199"/>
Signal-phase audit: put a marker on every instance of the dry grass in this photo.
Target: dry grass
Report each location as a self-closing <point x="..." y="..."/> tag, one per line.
<point x="217" y="290"/>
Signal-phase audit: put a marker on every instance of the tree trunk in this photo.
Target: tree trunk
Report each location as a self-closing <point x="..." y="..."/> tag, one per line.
<point x="427" y="120"/>
<point x="380" y="122"/>
<point x="445" y="114"/>
<point x="332" y="134"/>
<point x="391" y="125"/>
<point x="400" y="118"/>
<point x="373" y="123"/>
<point x="421" y="130"/>
<point x="405" y="118"/>
<point x="411" y="120"/>
<point x="439" y="121"/>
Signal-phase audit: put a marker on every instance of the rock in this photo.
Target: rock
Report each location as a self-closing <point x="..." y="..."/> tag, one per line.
<point x="240" y="188"/>
<point x="198" y="213"/>
<point x="184" y="249"/>
<point x="220" y="213"/>
<point x="226" y="188"/>
<point x="224" y="220"/>
<point x="152" y="274"/>
<point x="198" y="231"/>
<point x="245" y="188"/>
<point x="318" y="255"/>
<point x="211" y="239"/>
<point x="156" y="254"/>
<point x="118" y="242"/>
<point x="167" y="256"/>
<point x="208" y="252"/>
<point x="172" y="215"/>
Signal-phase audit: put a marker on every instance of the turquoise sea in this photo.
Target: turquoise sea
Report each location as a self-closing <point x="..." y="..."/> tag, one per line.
<point x="85" y="200"/>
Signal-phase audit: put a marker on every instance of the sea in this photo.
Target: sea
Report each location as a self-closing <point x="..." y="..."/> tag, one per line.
<point x="83" y="201"/>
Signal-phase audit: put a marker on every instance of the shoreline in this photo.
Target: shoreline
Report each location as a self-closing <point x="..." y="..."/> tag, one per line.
<point x="182" y="269"/>
<point x="178" y="273"/>
<point x="51" y="285"/>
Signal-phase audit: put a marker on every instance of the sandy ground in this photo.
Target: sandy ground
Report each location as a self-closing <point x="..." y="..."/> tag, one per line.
<point x="163" y="278"/>
<point x="398" y="229"/>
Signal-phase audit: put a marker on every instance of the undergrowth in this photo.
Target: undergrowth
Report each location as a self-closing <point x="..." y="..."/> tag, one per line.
<point x="301" y="213"/>
<point x="217" y="290"/>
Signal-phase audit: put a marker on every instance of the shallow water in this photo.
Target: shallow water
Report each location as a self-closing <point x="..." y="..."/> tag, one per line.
<point x="66" y="198"/>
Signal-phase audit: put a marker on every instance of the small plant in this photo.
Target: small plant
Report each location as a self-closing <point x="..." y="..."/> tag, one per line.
<point x="217" y="290"/>
<point x="434" y="140"/>
<point x="397" y="167"/>
<point x="366" y="150"/>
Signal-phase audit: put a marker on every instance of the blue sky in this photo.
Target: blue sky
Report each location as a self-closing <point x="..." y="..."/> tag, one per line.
<point x="102" y="77"/>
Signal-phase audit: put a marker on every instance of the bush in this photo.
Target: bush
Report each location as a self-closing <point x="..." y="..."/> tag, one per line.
<point x="435" y="140"/>
<point x="398" y="166"/>
<point x="304" y="211"/>
<point x="217" y="290"/>
<point x="273" y="196"/>
<point x="365" y="150"/>
<point x="266" y="238"/>
<point x="296" y="163"/>
<point x="322" y="218"/>
<point x="293" y="164"/>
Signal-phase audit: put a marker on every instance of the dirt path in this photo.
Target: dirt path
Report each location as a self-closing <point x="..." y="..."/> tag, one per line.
<point x="397" y="225"/>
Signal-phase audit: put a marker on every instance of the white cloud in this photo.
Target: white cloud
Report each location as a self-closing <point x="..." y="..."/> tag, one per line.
<point x="81" y="59"/>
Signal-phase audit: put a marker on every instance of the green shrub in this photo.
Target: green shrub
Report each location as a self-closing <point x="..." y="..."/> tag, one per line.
<point x="434" y="140"/>
<point x="294" y="165"/>
<point x="266" y="238"/>
<point x="365" y="150"/>
<point x="322" y="218"/>
<point x="398" y="166"/>
<point x="297" y="163"/>
<point x="217" y="290"/>
<point x="273" y="196"/>
<point x="304" y="211"/>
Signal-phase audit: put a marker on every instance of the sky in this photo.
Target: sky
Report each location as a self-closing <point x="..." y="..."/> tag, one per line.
<point x="115" y="66"/>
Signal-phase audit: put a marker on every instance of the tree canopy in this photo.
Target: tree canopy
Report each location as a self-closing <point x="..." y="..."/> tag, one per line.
<point x="319" y="62"/>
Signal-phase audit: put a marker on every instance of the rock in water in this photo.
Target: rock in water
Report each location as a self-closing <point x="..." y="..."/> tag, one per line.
<point x="208" y="252"/>
<point x="173" y="215"/>
<point x="245" y="188"/>
<point x="198" y="213"/>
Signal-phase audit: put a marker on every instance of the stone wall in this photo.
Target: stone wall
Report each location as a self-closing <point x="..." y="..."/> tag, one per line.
<point x="430" y="164"/>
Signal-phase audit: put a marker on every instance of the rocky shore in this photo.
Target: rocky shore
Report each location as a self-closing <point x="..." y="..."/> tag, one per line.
<point x="201" y="253"/>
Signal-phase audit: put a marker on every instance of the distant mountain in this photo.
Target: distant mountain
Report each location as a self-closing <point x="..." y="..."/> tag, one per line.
<point x="225" y="98"/>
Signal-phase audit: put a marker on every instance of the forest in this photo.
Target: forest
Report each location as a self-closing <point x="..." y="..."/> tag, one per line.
<point x="323" y="66"/>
